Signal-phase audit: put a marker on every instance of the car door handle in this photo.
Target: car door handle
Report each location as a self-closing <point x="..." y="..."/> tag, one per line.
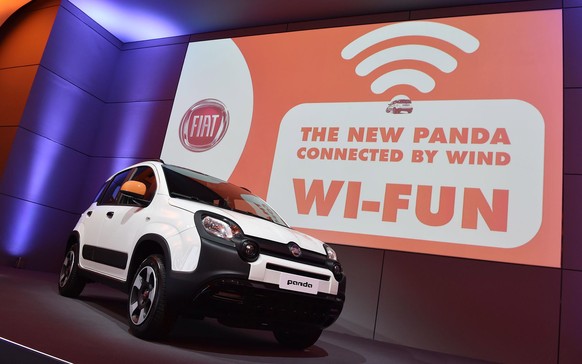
<point x="110" y="214"/>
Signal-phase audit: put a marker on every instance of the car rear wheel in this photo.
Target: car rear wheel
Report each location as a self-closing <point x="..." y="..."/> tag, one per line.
<point x="70" y="282"/>
<point x="297" y="337"/>
<point x="148" y="314"/>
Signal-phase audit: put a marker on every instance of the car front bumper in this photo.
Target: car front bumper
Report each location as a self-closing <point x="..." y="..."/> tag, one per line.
<point x="220" y="288"/>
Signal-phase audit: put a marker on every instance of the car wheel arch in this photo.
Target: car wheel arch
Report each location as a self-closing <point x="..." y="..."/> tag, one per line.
<point x="147" y="245"/>
<point x="74" y="238"/>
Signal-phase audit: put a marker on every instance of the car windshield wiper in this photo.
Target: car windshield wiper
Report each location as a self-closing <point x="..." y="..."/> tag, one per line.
<point x="191" y="198"/>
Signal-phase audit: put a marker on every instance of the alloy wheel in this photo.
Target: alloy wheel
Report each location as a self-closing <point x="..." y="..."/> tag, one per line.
<point x="143" y="293"/>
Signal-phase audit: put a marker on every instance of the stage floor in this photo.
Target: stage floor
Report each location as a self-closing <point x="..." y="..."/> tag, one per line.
<point x="93" y="329"/>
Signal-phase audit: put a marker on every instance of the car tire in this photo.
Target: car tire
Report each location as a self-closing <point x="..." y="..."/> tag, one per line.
<point x="298" y="338"/>
<point x="71" y="284"/>
<point x="148" y="310"/>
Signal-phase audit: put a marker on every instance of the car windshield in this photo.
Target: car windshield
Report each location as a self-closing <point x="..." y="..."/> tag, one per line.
<point x="196" y="186"/>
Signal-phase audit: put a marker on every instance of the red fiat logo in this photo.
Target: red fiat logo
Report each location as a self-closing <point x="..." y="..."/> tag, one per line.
<point x="204" y="125"/>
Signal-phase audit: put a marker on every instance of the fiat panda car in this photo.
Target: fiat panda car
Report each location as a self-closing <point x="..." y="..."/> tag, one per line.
<point x="180" y="242"/>
<point x="400" y="105"/>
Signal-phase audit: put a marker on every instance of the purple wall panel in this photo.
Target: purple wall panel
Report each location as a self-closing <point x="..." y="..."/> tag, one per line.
<point x="364" y="269"/>
<point x="79" y="55"/>
<point x="61" y="112"/>
<point x="74" y="133"/>
<point x="148" y="73"/>
<point x="571" y="328"/>
<point x="493" y="8"/>
<point x="572" y="3"/>
<point x="497" y="312"/>
<point x="38" y="233"/>
<point x="572" y="49"/>
<point x="44" y="172"/>
<point x="132" y="130"/>
<point x="572" y="229"/>
<point x="572" y="131"/>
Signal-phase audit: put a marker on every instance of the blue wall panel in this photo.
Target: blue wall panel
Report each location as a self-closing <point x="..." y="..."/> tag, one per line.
<point x="148" y="74"/>
<point x="60" y="111"/>
<point x="43" y="172"/>
<point x="35" y="232"/>
<point x="79" y="55"/>
<point x="132" y="130"/>
<point x="72" y="137"/>
<point x="572" y="49"/>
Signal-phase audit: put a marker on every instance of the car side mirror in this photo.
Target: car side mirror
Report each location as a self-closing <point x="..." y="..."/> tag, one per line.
<point x="136" y="191"/>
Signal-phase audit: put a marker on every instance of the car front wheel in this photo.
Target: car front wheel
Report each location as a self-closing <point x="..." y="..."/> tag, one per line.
<point x="70" y="283"/>
<point x="148" y="314"/>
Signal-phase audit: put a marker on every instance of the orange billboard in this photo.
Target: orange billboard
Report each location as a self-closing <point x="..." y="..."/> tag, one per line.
<point x="438" y="136"/>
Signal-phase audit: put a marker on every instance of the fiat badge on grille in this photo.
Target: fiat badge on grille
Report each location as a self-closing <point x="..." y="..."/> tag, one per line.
<point x="294" y="249"/>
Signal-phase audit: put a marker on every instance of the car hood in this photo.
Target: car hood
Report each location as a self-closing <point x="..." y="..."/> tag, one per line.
<point x="257" y="227"/>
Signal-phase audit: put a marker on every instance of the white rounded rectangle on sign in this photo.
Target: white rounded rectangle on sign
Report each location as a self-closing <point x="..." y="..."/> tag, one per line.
<point x="465" y="172"/>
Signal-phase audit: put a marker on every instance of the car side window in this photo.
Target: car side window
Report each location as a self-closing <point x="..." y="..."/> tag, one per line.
<point x="111" y="195"/>
<point x="100" y="193"/>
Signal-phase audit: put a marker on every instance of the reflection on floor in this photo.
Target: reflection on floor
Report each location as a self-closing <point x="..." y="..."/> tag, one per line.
<point x="93" y="329"/>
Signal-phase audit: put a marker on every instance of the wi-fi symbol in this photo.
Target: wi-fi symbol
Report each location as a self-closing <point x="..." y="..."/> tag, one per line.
<point x="416" y="52"/>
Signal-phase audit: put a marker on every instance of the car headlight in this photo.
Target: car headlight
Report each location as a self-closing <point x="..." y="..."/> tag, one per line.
<point x="333" y="264"/>
<point x="220" y="228"/>
<point x="330" y="252"/>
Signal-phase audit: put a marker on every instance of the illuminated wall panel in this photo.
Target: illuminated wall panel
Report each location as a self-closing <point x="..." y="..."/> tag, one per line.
<point x="66" y="115"/>
<point x="147" y="74"/>
<point x="572" y="258"/>
<point x="8" y="7"/>
<point x="572" y="49"/>
<point x="571" y="323"/>
<point x="501" y="313"/>
<point x="78" y="128"/>
<point x="131" y="130"/>
<point x="358" y="317"/>
<point x="24" y="38"/>
<point x="43" y="172"/>
<point x="81" y="56"/>
<point x="7" y="135"/>
<point x="38" y="229"/>
<point x="22" y="42"/>
<point x="15" y="84"/>
<point x="572" y="130"/>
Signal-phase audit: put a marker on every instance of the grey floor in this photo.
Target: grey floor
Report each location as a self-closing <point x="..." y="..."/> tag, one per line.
<point x="93" y="329"/>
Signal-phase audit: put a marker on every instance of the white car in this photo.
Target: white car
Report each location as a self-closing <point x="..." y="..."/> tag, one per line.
<point x="401" y="105"/>
<point x="182" y="242"/>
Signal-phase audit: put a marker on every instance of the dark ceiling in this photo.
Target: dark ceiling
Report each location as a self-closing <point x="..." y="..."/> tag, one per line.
<point x="137" y="20"/>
